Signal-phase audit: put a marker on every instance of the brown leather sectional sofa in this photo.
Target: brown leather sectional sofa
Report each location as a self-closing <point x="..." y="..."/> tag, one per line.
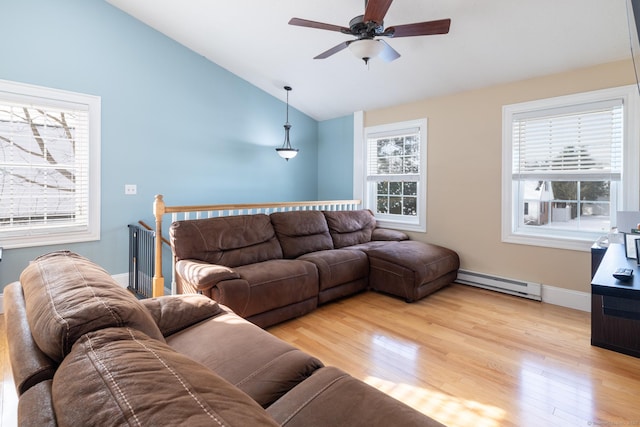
<point x="86" y="352"/>
<point x="271" y="268"/>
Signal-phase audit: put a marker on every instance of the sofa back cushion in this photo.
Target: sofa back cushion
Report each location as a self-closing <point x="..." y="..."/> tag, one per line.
<point x="301" y="232"/>
<point x="119" y="376"/>
<point x="67" y="296"/>
<point x="231" y="241"/>
<point x="349" y="228"/>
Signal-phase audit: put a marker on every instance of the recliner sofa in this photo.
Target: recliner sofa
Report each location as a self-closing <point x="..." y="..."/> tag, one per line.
<point x="271" y="268"/>
<point x="86" y="352"/>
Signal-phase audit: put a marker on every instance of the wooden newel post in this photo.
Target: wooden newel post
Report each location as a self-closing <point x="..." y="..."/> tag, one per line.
<point x="158" y="280"/>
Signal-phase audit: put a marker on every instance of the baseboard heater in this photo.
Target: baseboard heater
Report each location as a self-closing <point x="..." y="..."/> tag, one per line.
<point x="501" y="284"/>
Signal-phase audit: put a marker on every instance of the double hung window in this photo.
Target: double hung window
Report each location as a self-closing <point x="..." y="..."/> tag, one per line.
<point x="395" y="158"/>
<point x="564" y="175"/>
<point x="49" y="166"/>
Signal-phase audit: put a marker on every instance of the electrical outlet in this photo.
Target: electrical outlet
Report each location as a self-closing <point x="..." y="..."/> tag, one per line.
<point x="130" y="189"/>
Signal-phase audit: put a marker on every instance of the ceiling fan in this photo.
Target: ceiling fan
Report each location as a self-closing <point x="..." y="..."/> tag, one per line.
<point x="369" y="26"/>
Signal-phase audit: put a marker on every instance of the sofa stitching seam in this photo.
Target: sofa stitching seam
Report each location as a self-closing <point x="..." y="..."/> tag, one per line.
<point x="310" y="399"/>
<point x="113" y="380"/>
<point x="177" y="377"/>
<point x="263" y="368"/>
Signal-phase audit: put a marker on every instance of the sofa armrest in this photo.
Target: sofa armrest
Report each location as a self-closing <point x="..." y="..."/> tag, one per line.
<point x="388" y="234"/>
<point x="174" y="313"/>
<point x="203" y="275"/>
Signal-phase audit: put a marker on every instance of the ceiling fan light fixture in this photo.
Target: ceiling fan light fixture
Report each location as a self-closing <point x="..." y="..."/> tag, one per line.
<point x="287" y="151"/>
<point x="366" y="49"/>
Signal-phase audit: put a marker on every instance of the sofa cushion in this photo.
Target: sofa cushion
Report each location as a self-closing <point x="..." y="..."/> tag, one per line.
<point x="387" y="234"/>
<point x="268" y="285"/>
<point x="119" y="376"/>
<point x="349" y="228"/>
<point x="333" y="398"/>
<point x="173" y="313"/>
<point x="231" y="241"/>
<point x="67" y="296"/>
<point x="338" y="266"/>
<point x="270" y="367"/>
<point x="301" y="232"/>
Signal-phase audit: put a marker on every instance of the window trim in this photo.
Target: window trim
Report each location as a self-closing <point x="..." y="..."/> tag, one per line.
<point x="630" y="175"/>
<point x="22" y="92"/>
<point x="360" y="172"/>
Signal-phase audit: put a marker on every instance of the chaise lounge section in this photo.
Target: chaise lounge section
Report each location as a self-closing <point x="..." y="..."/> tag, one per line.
<point x="271" y="268"/>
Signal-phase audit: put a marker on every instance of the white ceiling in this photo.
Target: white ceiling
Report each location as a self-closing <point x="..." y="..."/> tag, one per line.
<point x="490" y="42"/>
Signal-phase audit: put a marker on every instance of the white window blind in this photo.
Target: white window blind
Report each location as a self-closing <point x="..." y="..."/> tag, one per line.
<point x="568" y="144"/>
<point x="48" y="185"/>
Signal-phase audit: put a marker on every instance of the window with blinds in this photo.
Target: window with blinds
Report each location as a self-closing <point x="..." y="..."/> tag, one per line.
<point x="565" y="165"/>
<point x="396" y="173"/>
<point x="49" y="166"/>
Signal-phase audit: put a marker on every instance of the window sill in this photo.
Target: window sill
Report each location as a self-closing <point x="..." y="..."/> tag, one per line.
<point x="583" y="245"/>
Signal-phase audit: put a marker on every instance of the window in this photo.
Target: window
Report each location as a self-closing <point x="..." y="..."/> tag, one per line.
<point x="568" y="167"/>
<point x="395" y="174"/>
<point x="49" y="166"/>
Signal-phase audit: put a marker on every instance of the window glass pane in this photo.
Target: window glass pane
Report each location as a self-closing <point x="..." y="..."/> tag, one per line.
<point x="395" y="188"/>
<point x="409" y="206"/>
<point x="566" y="205"/>
<point x="395" y="205"/>
<point x="382" y="205"/>
<point x="410" y="188"/>
<point x="564" y="190"/>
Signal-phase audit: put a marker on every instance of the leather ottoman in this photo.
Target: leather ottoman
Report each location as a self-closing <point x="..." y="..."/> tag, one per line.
<point x="410" y="269"/>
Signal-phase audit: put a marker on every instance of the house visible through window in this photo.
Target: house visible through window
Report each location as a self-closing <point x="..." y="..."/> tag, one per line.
<point x="396" y="174"/>
<point x="563" y="171"/>
<point x="49" y="166"/>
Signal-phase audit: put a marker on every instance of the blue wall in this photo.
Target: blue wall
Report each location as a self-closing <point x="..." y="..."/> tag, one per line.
<point x="172" y="122"/>
<point x="335" y="157"/>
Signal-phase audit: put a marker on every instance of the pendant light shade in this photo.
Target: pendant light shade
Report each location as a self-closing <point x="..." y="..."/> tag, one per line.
<point x="287" y="151"/>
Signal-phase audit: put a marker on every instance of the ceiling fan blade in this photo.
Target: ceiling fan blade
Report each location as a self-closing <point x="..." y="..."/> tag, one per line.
<point x="376" y="10"/>
<point x="319" y="25"/>
<point x="333" y="50"/>
<point x="419" y="29"/>
<point x="388" y="54"/>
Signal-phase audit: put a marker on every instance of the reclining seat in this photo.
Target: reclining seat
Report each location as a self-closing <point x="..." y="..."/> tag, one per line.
<point x="304" y="235"/>
<point x="238" y="262"/>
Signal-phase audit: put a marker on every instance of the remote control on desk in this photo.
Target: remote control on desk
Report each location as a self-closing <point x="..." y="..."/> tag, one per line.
<point x="623" y="274"/>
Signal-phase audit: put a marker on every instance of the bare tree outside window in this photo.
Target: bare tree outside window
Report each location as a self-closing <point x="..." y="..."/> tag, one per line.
<point x="37" y="166"/>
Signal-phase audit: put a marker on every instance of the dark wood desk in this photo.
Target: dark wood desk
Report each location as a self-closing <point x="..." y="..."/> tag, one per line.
<point x="615" y="305"/>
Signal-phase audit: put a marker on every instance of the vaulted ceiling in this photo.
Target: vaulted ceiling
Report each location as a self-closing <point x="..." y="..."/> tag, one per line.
<point x="490" y="42"/>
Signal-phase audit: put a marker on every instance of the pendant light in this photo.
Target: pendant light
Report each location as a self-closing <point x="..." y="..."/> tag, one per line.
<point x="286" y="151"/>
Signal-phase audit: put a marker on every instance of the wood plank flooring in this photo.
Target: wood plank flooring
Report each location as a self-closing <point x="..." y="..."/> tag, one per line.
<point x="470" y="357"/>
<point x="464" y="356"/>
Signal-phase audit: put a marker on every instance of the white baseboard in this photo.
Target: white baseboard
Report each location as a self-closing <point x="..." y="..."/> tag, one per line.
<point x="566" y="298"/>
<point x="122" y="279"/>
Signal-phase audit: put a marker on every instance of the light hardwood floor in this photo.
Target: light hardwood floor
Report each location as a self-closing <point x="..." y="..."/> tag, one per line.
<point x="464" y="356"/>
<point x="470" y="357"/>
